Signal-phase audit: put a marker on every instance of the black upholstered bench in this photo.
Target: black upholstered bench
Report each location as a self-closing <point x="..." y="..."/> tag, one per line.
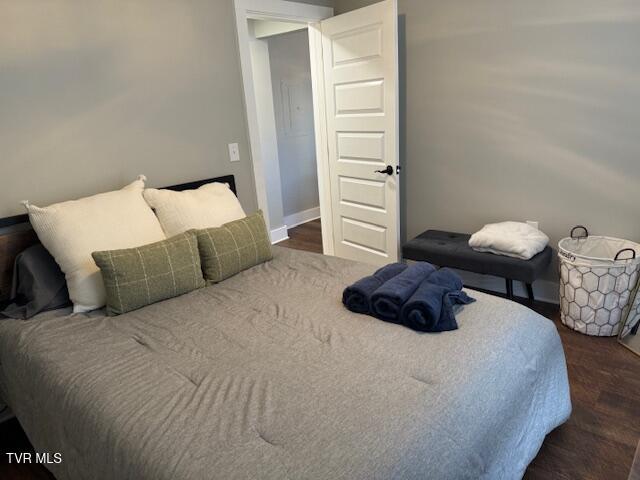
<point x="449" y="249"/>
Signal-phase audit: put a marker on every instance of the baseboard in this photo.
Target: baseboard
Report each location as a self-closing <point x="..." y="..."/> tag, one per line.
<point x="279" y="234"/>
<point x="543" y="290"/>
<point x="304" y="216"/>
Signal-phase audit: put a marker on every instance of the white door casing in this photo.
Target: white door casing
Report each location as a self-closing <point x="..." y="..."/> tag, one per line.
<point x="360" y="56"/>
<point x="278" y="10"/>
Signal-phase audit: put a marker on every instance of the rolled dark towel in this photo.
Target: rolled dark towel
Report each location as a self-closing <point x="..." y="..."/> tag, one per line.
<point x="387" y="300"/>
<point x="447" y="278"/>
<point x="431" y="307"/>
<point x="357" y="297"/>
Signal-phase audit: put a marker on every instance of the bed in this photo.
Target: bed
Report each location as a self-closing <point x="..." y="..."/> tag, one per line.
<point x="267" y="375"/>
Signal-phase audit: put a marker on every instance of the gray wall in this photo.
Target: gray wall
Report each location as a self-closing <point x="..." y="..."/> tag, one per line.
<point x="521" y="110"/>
<point x="342" y="6"/>
<point x="293" y="105"/>
<point x="93" y="93"/>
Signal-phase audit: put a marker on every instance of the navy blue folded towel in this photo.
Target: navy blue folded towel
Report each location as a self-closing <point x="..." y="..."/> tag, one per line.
<point x="387" y="300"/>
<point x="357" y="297"/>
<point x="431" y="307"/>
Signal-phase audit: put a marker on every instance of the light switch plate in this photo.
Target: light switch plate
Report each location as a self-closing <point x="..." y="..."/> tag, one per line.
<point x="234" y="152"/>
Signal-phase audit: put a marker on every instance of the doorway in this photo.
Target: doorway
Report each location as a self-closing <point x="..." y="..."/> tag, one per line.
<point x="353" y="60"/>
<point x="282" y="76"/>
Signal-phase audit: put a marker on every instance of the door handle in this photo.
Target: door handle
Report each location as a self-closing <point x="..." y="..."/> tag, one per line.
<point x="388" y="170"/>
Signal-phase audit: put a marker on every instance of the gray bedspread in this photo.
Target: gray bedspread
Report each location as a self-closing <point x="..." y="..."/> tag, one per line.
<point x="268" y="376"/>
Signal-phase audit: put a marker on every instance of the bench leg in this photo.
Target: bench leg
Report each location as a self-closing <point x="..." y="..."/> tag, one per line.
<point x="509" y="284"/>
<point x="530" y="292"/>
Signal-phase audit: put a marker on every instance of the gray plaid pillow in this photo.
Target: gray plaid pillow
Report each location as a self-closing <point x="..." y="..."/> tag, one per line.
<point x="234" y="247"/>
<point x="135" y="277"/>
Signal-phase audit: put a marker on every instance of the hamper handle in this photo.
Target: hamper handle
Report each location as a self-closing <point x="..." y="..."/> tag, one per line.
<point x="577" y="227"/>
<point x="625" y="250"/>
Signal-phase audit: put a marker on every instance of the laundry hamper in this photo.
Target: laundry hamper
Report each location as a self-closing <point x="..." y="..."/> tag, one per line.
<point x="597" y="278"/>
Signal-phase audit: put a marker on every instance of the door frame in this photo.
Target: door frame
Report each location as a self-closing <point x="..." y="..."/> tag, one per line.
<point x="311" y="15"/>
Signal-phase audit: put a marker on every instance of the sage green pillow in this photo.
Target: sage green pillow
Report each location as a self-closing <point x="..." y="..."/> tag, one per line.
<point x="234" y="247"/>
<point x="135" y="277"/>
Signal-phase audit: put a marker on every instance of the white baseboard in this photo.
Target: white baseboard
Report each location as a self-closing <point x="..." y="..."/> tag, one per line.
<point x="279" y="234"/>
<point x="299" y="218"/>
<point x="543" y="290"/>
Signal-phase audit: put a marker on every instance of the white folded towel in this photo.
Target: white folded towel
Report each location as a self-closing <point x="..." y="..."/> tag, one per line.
<point x="513" y="239"/>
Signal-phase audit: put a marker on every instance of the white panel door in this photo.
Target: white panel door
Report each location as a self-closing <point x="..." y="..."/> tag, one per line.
<point x="360" y="55"/>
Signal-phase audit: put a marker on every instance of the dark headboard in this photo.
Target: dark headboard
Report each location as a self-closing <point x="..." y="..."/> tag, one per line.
<point x="228" y="179"/>
<point x="21" y="235"/>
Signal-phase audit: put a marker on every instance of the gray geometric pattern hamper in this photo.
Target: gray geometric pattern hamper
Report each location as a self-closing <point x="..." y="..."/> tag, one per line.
<point x="597" y="278"/>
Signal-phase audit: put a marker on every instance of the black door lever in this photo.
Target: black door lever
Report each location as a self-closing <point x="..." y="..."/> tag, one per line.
<point x="388" y="170"/>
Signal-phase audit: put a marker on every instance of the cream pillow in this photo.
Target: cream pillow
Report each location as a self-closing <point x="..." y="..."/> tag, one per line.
<point x="211" y="205"/>
<point x="72" y="230"/>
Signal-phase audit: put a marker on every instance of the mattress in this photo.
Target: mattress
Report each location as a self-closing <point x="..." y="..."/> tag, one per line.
<point x="266" y="375"/>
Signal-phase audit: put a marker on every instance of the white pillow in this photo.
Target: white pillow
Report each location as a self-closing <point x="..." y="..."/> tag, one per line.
<point x="211" y="205"/>
<point x="72" y="230"/>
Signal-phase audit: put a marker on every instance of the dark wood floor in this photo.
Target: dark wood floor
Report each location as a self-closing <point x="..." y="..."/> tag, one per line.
<point x="597" y="443"/>
<point x="307" y="236"/>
